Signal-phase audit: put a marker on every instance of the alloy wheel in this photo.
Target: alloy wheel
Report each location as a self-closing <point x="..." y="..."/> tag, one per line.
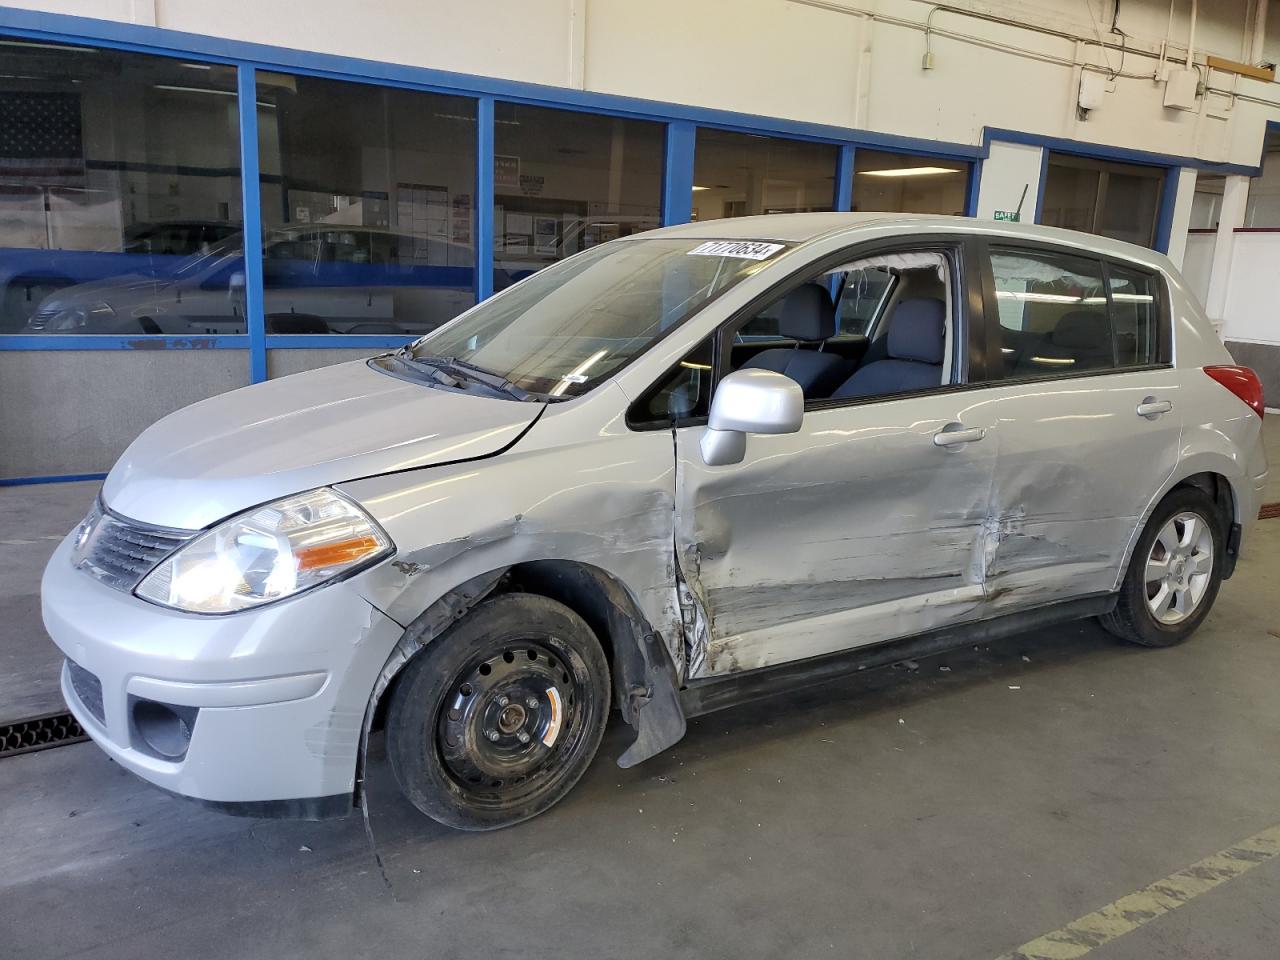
<point x="1179" y="567"/>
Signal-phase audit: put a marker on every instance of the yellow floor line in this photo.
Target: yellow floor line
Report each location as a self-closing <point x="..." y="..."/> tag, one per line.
<point x="1130" y="912"/>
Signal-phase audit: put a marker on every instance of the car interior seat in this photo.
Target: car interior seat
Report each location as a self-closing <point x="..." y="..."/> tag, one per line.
<point x="807" y="316"/>
<point x="1081" y="341"/>
<point x="915" y="348"/>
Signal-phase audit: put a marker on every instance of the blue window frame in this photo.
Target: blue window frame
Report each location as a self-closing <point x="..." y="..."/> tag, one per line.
<point x="248" y="62"/>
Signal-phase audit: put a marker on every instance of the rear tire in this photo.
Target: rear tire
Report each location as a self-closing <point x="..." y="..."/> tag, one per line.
<point x="495" y="721"/>
<point x="1174" y="573"/>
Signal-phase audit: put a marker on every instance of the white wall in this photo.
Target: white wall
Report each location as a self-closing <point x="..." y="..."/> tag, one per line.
<point x="1196" y="263"/>
<point x="1184" y="201"/>
<point x="1010" y="179"/>
<point x="817" y="60"/>
<point x="1253" y="289"/>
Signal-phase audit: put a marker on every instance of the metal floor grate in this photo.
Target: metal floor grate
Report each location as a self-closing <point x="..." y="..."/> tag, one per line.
<point x="39" y="733"/>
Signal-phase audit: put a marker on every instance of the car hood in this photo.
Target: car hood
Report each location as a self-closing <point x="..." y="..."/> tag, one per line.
<point x="125" y="288"/>
<point x="236" y="450"/>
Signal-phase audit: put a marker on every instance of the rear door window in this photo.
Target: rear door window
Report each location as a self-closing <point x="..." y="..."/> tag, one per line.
<point x="1060" y="314"/>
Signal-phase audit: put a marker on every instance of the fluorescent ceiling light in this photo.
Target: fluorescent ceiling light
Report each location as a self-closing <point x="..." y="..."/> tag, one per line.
<point x="1036" y="297"/>
<point x="180" y="89"/>
<point x="45" y="46"/>
<point x="909" y="172"/>
<point x="197" y="66"/>
<point x="697" y="188"/>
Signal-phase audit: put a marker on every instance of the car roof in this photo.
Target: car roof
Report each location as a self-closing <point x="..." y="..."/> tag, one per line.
<point x="805" y="227"/>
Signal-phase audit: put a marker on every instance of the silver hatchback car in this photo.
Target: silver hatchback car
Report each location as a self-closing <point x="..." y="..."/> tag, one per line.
<point x="668" y="474"/>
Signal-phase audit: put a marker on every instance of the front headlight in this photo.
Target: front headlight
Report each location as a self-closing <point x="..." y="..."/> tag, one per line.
<point x="79" y="318"/>
<point x="266" y="554"/>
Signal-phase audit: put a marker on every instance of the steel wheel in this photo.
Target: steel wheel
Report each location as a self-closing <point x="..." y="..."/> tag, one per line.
<point x="511" y="719"/>
<point x="1179" y="567"/>
<point x="497" y="718"/>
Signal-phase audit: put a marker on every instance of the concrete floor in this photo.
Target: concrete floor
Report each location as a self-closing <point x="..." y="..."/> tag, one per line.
<point x="904" y="813"/>
<point x="32" y="521"/>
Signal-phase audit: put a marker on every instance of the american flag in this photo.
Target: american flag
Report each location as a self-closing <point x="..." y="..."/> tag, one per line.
<point x="40" y="134"/>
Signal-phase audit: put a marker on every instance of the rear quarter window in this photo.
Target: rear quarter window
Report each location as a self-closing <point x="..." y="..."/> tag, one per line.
<point x="1062" y="313"/>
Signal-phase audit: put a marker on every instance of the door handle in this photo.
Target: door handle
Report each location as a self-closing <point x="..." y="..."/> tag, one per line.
<point x="1151" y="408"/>
<point x="953" y="438"/>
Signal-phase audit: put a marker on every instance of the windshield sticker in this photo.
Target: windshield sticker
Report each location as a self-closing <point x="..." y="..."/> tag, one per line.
<point x="738" y="249"/>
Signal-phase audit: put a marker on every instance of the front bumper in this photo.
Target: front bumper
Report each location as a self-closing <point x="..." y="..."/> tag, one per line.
<point x="275" y="697"/>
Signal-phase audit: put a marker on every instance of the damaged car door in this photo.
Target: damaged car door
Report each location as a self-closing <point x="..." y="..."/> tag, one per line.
<point x="862" y="524"/>
<point x="1081" y="374"/>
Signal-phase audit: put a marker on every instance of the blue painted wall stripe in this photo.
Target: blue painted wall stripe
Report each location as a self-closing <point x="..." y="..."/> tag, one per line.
<point x="140" y="342"/>
<point x="484" y="198"/>
<point x="971" y="195"/>
<point x="844" y="178"/>
<point x="246" y="83"/>
<point x="677" y="180"/>
<point x="1168" y="200"/>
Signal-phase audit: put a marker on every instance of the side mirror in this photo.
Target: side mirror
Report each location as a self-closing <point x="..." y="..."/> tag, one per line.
<point x="749" y="401"/>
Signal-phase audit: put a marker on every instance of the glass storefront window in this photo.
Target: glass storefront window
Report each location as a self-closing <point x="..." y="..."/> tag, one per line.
<point x="564" y="182"/>
<point x="116" y="171"/>
<point x="900" y="183"/>
<point x="1116" y="200"/>
<point x="739" y="174"/>
<point x="368" y="213"/>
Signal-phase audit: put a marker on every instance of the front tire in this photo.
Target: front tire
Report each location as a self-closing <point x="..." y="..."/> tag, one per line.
<point x="495" y="721"/>
<point x="1174" y="573"/>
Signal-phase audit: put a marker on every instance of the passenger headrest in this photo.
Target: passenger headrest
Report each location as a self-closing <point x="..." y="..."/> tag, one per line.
<point x="808" y="314"/>
<point x="918" y="330"/>
<point x="1082" y="330"/>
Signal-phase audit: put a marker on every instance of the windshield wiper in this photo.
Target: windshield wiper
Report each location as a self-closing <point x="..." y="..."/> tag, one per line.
<point x="465" y="371"/>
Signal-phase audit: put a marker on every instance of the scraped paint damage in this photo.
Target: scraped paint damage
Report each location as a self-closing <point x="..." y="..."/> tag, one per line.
<point x="765" y="577"/>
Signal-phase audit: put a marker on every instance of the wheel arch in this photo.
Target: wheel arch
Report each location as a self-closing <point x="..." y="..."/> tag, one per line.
<point x="644" y="679"/>
<point x="1211" y="473"/>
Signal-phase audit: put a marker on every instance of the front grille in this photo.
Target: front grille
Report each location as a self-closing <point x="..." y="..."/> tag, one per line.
<point x="88" y="688"/>
<point x="119" y="551"/>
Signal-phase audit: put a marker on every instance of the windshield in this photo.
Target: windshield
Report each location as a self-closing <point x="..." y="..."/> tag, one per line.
<point x="198" y="263"/>
<point x="568" y="327"/>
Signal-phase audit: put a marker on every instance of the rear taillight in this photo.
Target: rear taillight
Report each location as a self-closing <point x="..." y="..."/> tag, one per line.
<point x="1241" y="381"/>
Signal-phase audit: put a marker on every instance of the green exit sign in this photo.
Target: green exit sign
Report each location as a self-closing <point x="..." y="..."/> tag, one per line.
<point x="1011" y="215"/>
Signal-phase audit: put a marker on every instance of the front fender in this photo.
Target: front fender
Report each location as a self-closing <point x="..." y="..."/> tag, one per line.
<point x="579" y="487"/>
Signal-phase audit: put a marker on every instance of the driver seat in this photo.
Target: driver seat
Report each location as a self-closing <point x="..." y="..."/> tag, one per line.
<point x="807" y="315"/>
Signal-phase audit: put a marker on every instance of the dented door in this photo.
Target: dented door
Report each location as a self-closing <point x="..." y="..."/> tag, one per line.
<point x="1078" y="466"/>
<point x="857" y="529"/>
